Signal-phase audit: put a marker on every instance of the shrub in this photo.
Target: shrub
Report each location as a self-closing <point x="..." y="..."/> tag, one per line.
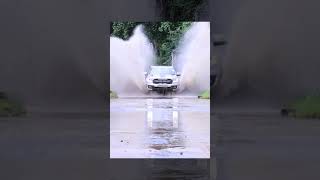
<point x="205" y="95"/>
<point x="113" y="94"/>
<point x="9" y="107"/>
<point x="307" y="107"/>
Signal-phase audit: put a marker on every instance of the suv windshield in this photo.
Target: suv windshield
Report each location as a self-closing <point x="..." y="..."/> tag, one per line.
<point x="163" y="71"/>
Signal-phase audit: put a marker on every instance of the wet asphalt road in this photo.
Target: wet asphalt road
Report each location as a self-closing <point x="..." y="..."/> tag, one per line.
<point x="248" y="144"/>
<point x="159" y="128"/>
<point x="258" y="143"/>
<point x="68" y="144"/>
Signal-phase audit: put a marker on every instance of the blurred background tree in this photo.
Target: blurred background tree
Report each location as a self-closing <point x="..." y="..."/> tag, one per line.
<point x="181" y="10"/>
<point x="164" y="36"/>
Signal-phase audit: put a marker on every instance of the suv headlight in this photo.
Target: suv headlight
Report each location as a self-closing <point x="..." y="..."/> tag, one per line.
<point x="175" y="79"/>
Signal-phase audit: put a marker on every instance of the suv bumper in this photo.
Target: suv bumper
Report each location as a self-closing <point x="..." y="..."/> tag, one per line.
<point x="151" y="86"/>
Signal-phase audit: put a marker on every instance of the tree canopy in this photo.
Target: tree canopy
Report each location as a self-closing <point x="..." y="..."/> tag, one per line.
<point x="179" y="10"/>
<point x="164" y="36"/>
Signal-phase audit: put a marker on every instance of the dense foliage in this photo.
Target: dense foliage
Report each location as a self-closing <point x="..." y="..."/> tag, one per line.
<point x="180" y="10"/>
<point x="164" y="36"/>
<point x="123" y="29"/>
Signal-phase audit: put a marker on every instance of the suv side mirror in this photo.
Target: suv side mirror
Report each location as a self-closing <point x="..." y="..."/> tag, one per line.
<point x="145" y="73"/>
<point x="178" y="74"/>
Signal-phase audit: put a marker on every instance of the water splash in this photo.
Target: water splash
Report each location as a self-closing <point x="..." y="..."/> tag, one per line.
<point x="129" y="59"/>
<point x="193" y="59"/>
<point x="128" y="62"/>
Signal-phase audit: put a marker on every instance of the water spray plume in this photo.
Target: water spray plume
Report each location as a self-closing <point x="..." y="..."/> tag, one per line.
<point x="130" y="59"/>
<point x="193" y="59"/>
<point x="128" y="62"/>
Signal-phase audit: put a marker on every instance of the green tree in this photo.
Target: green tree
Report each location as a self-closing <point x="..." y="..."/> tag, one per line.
<point x="123" y="30"/>
<point x="180" y="10"/>
<point x="165" y="36"/>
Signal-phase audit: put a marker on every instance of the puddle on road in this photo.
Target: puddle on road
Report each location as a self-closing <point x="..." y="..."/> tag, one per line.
<point x="163" y="125"/>
<point x="164" y="129"/>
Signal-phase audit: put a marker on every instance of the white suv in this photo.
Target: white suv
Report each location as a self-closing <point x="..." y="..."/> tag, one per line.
<point x="162" y="78"/>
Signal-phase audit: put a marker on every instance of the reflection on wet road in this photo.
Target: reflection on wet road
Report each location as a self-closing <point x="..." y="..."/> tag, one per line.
<point x="160" y="128"/>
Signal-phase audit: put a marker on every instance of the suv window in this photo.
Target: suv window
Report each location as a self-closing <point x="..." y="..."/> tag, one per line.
<point x="170" y="71"/>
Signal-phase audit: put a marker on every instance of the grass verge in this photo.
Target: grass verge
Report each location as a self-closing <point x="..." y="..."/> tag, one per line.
<point x="113" y="94"/>
<point x="9" y="107"/>
<point x="205" y="95"/>
<point x="306" y="107"/>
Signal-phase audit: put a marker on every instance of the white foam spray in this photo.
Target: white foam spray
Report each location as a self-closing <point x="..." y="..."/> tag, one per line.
<point x="130" y="59"/>
<point x="128" y="62"/>
<point x="193" y="59"/>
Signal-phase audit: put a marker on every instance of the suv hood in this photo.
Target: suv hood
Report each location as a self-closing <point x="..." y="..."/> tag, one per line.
<point x="161" y="76"/>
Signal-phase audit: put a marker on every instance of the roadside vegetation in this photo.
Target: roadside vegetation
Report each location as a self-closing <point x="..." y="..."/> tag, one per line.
<point x="205" y="95"/>
<point x="164" y="36"/>
<point x="306" y="107"/>
<point x="113" y="94"/>
<point x="178" y="10"/>
<point x="9" y="107"/>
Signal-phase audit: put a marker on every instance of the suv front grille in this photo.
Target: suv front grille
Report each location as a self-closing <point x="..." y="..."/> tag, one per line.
<point x="162" y="81"/>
